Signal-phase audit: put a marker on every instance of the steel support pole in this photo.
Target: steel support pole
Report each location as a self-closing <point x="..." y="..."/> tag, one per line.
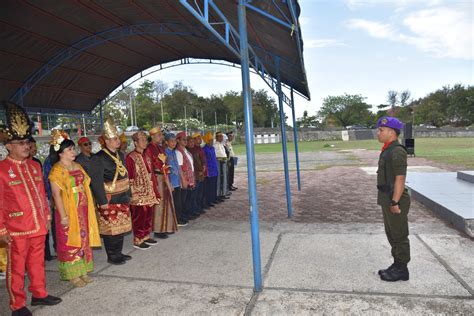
<point x="252" y="178"/>
<point x="101" y="116"/>
<point x="295" y="140"/>
<point x="283" y="141"/>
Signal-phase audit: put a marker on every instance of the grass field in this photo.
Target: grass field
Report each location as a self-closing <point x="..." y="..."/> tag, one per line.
<point x="455" y="151"/>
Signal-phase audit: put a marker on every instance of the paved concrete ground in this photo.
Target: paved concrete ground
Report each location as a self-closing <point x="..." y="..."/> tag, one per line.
<point x="323" y="261"/>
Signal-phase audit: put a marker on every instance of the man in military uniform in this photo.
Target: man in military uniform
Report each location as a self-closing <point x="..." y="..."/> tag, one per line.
<point x="393" y="197"/>
<point x="111" y="188"/>
<point x="24" y="214"/>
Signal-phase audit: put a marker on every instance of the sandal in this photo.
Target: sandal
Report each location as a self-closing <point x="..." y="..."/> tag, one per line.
<point x="87" y="279"/>
<point x="77" y="282"/>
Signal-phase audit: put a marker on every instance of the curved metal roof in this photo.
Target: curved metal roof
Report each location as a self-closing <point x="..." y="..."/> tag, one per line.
<point x="69" y="55"/>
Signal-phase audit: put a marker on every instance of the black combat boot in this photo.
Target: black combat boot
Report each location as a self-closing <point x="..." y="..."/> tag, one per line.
<point x="398" y="272"/>
<point x="385" y="270"/>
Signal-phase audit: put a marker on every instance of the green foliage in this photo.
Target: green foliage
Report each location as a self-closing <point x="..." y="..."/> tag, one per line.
<point x="345" y="110"/>
<point x="308" y="121"/>
<point x="446" y="106"/>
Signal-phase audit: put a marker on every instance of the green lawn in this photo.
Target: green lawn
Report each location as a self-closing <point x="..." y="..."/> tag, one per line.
<point x="456" y="151"/>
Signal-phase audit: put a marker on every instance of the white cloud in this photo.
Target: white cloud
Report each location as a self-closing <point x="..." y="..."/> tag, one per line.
<point x="321" y="43"/>
<point x="398" y="4"/>
<point x="442" y="32"/>
<point x="375" y="29"/>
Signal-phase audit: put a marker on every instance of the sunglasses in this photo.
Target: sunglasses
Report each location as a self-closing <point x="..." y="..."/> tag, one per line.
<point x="86" y="144"/>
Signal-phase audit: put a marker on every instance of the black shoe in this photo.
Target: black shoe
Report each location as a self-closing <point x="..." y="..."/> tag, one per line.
<point x="48" y="300"/>
<point x="151" y="241"/>
<point x="171" y="233"/>
<point x="24" y="311"/>
<point x="385" y="270"/>
<point x="225" y="197"/>
<point x="397" y="273"/>
<point x="126" y="257"/>
<point x="161" y="235"/>
<point x="142" y="246"/>
<point x="116" y="262"/>
<point x="202" y="212"/>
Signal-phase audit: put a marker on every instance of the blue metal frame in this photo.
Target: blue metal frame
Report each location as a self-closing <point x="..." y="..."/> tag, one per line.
<point x="251" y="172"/>
<point x="94" y="40"/>
<point x="295" y="140"/>
<point x="231" y="38"/>
<point x="269" y="16"/>
<point x="283" y="142"/>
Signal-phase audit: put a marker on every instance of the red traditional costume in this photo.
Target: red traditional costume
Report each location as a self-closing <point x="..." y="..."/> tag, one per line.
<point x="144" y="194"/>
<point x="24" y="214"/>
<point x="164" y="219"/>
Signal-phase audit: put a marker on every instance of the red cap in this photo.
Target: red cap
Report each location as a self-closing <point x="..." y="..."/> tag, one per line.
<point x="181" y="135"/>
<point x="83" y="140"/>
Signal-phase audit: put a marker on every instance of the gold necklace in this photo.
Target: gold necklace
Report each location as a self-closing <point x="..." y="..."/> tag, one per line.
<point x="118" y="162"/>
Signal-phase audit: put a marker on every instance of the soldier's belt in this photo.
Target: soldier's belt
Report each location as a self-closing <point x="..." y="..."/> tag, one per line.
<point x="117" y="187"/>
<point x="221" y="159"/>
<point x="79" y="188"/>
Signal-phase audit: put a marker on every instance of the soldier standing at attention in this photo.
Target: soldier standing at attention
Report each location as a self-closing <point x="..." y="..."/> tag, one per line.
<point x="393" y="197"/>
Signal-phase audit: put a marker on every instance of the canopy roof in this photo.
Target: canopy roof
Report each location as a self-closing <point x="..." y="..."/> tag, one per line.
<point x="69" y="55"/>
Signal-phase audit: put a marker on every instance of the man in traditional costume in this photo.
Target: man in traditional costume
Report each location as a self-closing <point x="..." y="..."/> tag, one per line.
<point x="164" y="218"/>
<point x="144" y="192"/>
<point x="188" y="182"/>
<point x="24" y="214"/>
<point x="199" y="169"/>
<point x="111" y="188"/>
<point x="221" y="155"/>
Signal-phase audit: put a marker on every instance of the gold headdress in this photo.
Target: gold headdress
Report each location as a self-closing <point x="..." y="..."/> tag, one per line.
<point x="57" y="137"/>
<point x="207" y="137"/>
<point x="154" y="130"/>
<point x="110" y="130"/>
<point x="123" y="138"/>
<point x="18" y="125"/>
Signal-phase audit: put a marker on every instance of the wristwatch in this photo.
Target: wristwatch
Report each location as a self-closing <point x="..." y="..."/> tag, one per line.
<point x="393" y="203"/>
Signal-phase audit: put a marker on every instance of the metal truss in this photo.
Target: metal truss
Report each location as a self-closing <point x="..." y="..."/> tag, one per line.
<point x="228" y="35"/>
<point x="95" y="40"/>
<point x="176" y="63"/>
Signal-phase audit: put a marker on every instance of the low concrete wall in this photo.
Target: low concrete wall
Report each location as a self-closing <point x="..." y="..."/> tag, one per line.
<point x="309" y="134"/>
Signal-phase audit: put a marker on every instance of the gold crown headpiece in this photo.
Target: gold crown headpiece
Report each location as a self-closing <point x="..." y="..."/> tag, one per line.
<point x="18" y="124"/>
<point x="110" y="130"/>
<point x="57" y="137"/>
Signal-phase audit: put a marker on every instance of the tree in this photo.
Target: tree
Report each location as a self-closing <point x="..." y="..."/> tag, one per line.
<point x="345" y="110"/>
<point x="404" y="98"/>
<point x="392" y="99"/>
<point x="160" y="90"/>
<point x="307" y="120"/>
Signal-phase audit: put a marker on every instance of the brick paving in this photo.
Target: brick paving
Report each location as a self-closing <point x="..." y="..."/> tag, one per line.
<point x="342" y="194"/>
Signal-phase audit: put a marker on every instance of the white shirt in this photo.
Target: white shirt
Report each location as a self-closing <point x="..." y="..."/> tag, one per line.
<point x="220" y="150"/>
<point x="230" y="149"/>
<point x="179" y="157"/>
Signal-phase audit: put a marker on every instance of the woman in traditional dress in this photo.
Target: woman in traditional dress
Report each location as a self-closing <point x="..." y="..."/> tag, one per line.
<point x="76" y="224"/>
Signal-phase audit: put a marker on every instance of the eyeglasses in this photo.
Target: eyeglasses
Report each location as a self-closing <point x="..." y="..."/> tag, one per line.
<point x="21" y="142"/>
<point x="86" y="144"/>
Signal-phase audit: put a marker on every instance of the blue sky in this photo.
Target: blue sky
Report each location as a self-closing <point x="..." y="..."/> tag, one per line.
<point x="365" y="47"/>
